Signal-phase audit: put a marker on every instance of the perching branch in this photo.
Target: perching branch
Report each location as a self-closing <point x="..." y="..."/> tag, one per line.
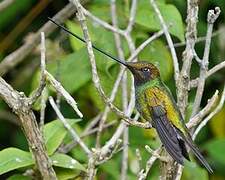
<point x="21" y="106"/>
<point x="5" y="3"/>
<point x="169" y="40"/>
<point x="73" y="133"/>
<point x="212" y="16"/>
<point x="191" y="35"/>
<point x="213" y="113"/>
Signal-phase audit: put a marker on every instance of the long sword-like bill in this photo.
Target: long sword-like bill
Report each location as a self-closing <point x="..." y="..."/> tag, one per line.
<point x="81" y="39"/>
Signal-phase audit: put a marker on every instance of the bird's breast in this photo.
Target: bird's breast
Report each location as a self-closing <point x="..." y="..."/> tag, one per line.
<point x="141" y="105"/>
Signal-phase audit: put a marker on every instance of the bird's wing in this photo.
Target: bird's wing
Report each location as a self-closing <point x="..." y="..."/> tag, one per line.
<point x="163" y="125"/>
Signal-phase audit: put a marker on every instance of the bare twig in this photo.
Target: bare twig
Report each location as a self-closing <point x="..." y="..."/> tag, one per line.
<point x="215" y="111"/>
<point x="168" y="38"/>
<point x="68" y="147"/>
<point x="179" y="172"/>
<point x="118" y="43"/>
<point x="194" y="82"/>
<point x="132" y="16"/>
<point x="156" y="154"/>
<point x="144" y="44"/>
<point x="101" y="22"/>
<point x="5" y="3"/>
<point x="59" y="88"/>
<point x="36" y="94"/>
<point x="215" y="69"/>
<point x="42" y="90"/>
<point x="42" y="111"/>
<point x="144" y="173"/>
<point x="114" y="150"/>
<point x="212" y="16"/>
<point x="74" y="135"/>
<point x="191" y="35"/>
<point x="200" y="39"/>
<point x="139" y="158"/>
<point x="194" y="121"/>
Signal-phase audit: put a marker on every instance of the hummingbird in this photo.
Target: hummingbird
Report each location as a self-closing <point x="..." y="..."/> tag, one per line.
<point x="155" y="103"/>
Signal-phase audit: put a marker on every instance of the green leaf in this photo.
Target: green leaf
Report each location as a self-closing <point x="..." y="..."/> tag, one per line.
<point x="75" y="28"/>
<point x="217" y="124"/>
<point x="75" y="70"/>
<point x="111" y="167"/>
<point x="64" y="174"/>
<point x="65" y="161"/>
<point x="158" y="54"/>
<point x="54" y="133"/>
<point x="13" y="158"/>
<point x="147" y="18"/>
<point x="216" y="148"/>
<point x="194" y="172"/>
<point x="19" y="177"/>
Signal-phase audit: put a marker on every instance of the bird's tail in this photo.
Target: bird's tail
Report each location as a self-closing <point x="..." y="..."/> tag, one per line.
<point x="197" y="153"/>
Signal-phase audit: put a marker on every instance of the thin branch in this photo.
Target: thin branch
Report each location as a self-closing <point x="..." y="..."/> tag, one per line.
<point x="156" y="154"/>
<point x="59" y="88"/>
<point x="118" y="43"/>
<point x="73" y="133"/>
<point x="41" y="90"/>
<point x="168" y="38"/>
<point x="215" y="111"/>
<point x="212" y="16"/>
<point x="37" y="93"/>
<point x="114" y="150"/>
<point x="201" y="39"/>
<point x="215" y="69"/>
<point x="132" y="16"/>
<point x="179" y="172"/>
<point x="5" y="3"/>
<point x="144" y="173"/>
<point x="42" y="111"/>
<point x="139" y="158"/>
<point x="194" y="121"/>
<point x="69" y="146"/>
<point x="144" y="44"/>
<point x="101" y="22"/>
<point x="107" y="148"/>
<point x="191" y="35"/>
<point x="194" y="82"/>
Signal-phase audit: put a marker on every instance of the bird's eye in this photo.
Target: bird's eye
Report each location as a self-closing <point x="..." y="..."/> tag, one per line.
<point x="146" y="69"/>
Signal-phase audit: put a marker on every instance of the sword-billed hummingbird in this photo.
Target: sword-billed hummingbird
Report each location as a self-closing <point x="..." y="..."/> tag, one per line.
<point x="156" y="104"/>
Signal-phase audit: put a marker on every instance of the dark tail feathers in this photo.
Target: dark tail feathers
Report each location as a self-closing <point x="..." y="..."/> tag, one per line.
<point x="197" y="153"/>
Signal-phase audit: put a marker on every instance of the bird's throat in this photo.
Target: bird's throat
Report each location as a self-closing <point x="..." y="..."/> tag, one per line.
<point x="146" y="84"/>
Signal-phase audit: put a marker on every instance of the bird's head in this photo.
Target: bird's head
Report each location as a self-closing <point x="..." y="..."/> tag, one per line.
<point x="143" y="71"/>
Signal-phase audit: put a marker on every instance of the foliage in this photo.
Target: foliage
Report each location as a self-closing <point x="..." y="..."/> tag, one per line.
<point x="69" y="63"/>
<point x="54" y="134"/>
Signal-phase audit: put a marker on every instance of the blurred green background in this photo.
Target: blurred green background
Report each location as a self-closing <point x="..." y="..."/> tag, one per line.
<point x="67" y="60"/>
